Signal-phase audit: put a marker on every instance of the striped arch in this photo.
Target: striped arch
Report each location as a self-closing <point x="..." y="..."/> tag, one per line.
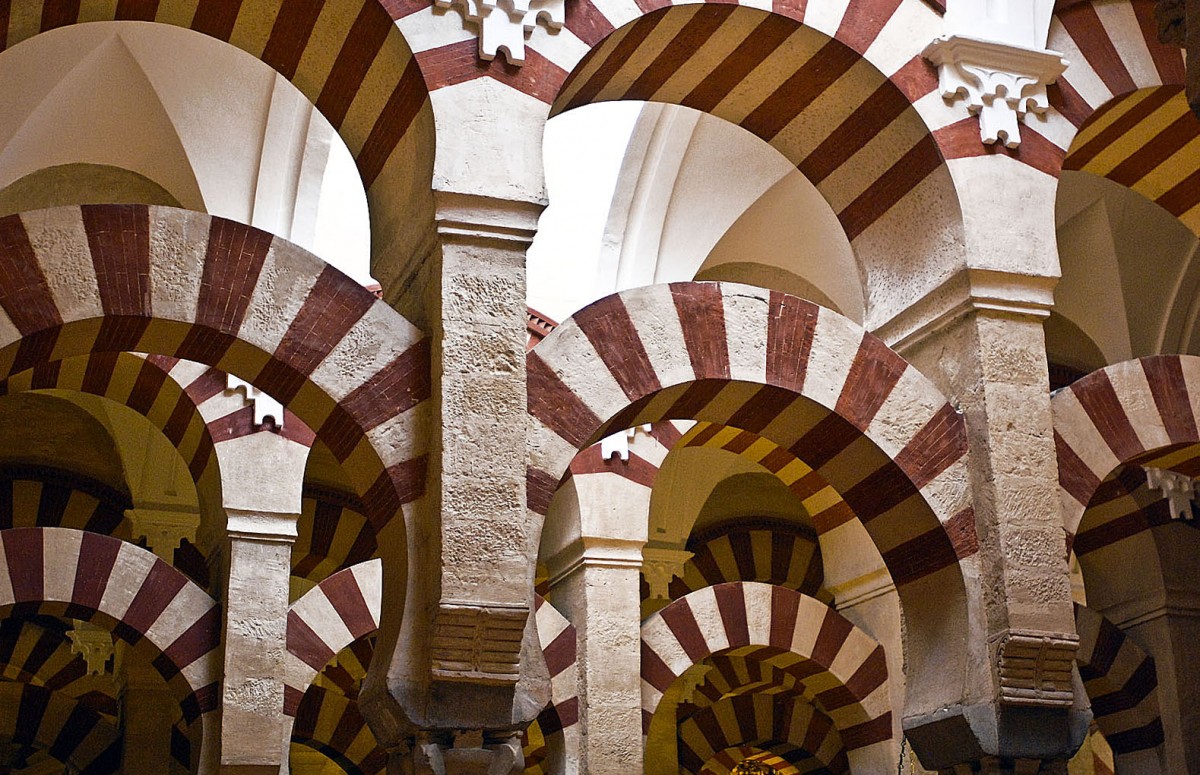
<point x="217" y="292"/>
<point x="785" y="368"/>
<point x="67" y="730"/>
<point x="332" y="724"/>
<point x="731" y="675"/>
<point x="346" y="56"/>
<point x="804" y="86"/>
<point x="1120" y="105"/>
<point x="1121" y="683"/>
<point x="822" y="502"/>
<point x="1139" y="412"/>
<point x="81" y="575"/>
<point x="794" y="730"/>
<point x="326" y="619"/>
<point x="1113" y="50"/>
<point x="773" y="552"/>
<point x="843" y="668"/>
<point x="552" y="737"/>
<point x="334" y="534"/>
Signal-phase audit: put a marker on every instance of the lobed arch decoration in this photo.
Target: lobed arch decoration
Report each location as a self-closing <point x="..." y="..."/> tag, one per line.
<point x="1135" y="413"/>
<point x="1121" y="683"/>
<point x="844" y="667"/>
<point x="795" y="373"/>
<point x="794" y="730"/>
<point x="70" y="732"/>
<point x="217" y="292"/>
<point x="346" y="56"/>
<point x="340" y="610"/>
<point x="99" y="576"/>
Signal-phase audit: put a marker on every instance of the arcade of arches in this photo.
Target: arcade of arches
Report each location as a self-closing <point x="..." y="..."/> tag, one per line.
<point x="593" y="386"/>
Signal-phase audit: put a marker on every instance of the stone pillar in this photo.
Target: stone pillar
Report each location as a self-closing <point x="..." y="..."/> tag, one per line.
<point x="261" y="476"/>
<point x="148" y="711"/>
<point x="979" y="337"/>
<point x="467" y="664"/>
<point x="597" y="585"/>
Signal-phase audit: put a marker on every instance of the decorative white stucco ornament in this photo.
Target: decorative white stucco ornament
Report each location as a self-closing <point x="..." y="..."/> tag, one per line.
<point x="264" y="405"/>
<point x="504" y="24"/>
<point x="1000" y="82"/>
<point x="1179" y="490"/>
<point x="994" y="56"/>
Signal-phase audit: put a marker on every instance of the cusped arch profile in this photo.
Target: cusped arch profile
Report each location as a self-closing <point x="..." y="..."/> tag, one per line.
<point x="812" y="382"/>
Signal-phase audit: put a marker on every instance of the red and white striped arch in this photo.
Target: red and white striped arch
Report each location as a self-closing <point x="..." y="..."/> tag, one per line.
<point x="1138" y="412"/>
<point x="332" y="723"/>
<point x="1121" y="684"/>
<point x="791" y="728"/>
<point x="112" y="278"/>
<point x="1112" y="49"/>
<point x="81" y="575"/>
<point x="558" y="731"/>
<point x="346" y="56"/>
<point x="326" y="619"/>
<point x="782" y="367"/>
<point x="772" y="552"/>
<point x="844" y="669"/>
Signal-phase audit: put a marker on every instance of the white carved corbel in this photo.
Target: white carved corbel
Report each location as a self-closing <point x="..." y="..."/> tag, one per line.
<point x="502" y="25"/>
<point x="94" y="643"/>
<point x="618" y="443"/>
<point x="264" y="405"/>
<point x="163" y="529"/>
<point x="1178" y="489"/>
<point x="660" y="566"/>
<point x="1000" y="82"/>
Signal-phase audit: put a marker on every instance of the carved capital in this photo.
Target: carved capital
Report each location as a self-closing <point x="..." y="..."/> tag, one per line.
<point x="1000" y="82"/>
<point x="1034" y="668"/>
<point x="502" y="25"/>
<point x="163" y="529"/>
<point x="94" y="643"/>
<point x="480" y="643"/>
<point x="660" y="565"/>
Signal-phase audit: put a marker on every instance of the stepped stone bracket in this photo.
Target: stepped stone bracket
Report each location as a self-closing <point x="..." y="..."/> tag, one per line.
<point x="999" y="81"/>
<point x="1178" y="489"/>
<point x="502" y="25"/>
<point x="163" y="529"/>
<point x="264" y="405"/>
<point x="1034" y="668"/>
<point x="478" y="643"/>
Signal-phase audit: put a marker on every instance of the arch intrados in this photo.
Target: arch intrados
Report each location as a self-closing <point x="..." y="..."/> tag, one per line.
<point x="372" y="91"/>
